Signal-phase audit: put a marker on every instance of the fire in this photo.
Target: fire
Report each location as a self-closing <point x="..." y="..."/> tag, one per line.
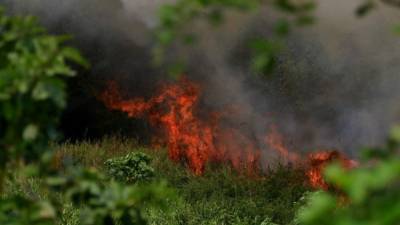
<point x="188" y="137"/>
<point x="317" y="163"/>
<point x="275" y="140"/>
<point x="198" y="140"/>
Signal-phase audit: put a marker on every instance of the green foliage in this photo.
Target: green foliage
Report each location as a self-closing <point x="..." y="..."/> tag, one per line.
<point x="32" y="91"/>
<point x="101" y="201"/>
<point x="268" y="221"/>
<point x="264" y="55"/>
<point x="32" y="96"/>
<point x="131" y="168"/>
<point x="369" y="193"/>
<point x="220" y="196"/>
<point x="16" y="210"/>
<point x="33" y="66"/>
<point x="174" y="18"/>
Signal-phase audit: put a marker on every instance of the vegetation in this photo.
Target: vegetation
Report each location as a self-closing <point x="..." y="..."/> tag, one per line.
<point x="32" y="96"/>
<point x="221" y="196"/>
<point x="101" y="182"/>
<point x="132" y="168"/>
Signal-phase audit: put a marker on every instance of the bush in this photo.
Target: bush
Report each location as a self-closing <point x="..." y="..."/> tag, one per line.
<point x="101" y="201"/>
<point x="33" y="65"/>
<point x="131" y="168"/>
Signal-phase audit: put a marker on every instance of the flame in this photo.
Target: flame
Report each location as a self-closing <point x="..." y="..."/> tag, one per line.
<point x="189" y="138"/>
<point x="198" y="140"/>
<point x="275" y="140"/>
<point x="318" y="162"/>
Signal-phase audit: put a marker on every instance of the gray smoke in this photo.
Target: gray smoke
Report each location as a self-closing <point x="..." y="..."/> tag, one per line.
<point x="336" y="86"/>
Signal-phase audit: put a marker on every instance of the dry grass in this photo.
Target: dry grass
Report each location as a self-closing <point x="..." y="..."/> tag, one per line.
<point x="93" y="153"/>
<point x="220" y="196"/>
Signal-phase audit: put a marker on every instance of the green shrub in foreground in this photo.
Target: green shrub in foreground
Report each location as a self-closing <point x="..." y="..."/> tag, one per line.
<point x="131" y="168"/>
<point x="33" y="65"/>
<point x="101" y="201"/>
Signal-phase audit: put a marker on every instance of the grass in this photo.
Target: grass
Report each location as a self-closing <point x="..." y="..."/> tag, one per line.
<point x="220" y="196"/>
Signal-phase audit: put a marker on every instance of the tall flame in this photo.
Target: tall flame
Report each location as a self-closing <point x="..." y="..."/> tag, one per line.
<point x="188" y="137"/>
<point x="198" y="140"/>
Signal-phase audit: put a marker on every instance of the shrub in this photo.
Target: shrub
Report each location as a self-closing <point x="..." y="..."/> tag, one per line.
<point x="131" y="168"/>
<point x="101" y="201"/>
<point x="16" y="210"/>
<point x="33" y="65"/>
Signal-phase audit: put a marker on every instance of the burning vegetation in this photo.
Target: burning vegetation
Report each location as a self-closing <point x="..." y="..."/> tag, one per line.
<point x="317" y="163"/>
<point x="198" y="140"/>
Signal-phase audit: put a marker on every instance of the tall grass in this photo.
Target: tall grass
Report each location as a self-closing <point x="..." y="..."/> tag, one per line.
<point x="220" y="196"/>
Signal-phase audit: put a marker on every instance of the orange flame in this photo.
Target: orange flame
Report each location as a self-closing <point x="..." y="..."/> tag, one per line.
<point x="188" y="137"/>
<point x="318" y="162"/>
<point x="275" y="140"/>
<point x="197" y="140"/>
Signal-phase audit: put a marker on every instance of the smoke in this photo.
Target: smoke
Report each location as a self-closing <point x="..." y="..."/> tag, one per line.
<point x="350" y="76"/>
<point x="336" y="86"/>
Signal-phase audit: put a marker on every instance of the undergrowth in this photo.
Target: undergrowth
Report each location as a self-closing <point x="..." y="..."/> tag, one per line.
<point x="220" y="196"/>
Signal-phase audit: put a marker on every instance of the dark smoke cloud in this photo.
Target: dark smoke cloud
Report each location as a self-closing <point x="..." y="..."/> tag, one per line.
<point x="336" y="86"/>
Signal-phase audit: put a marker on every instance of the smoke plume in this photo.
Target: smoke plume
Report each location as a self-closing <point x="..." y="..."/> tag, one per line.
<point x="336" y="85"/>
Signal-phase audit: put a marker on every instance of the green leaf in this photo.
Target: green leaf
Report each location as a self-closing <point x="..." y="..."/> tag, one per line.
<point x="50" y="89"/>
<point x="74" y="55"/>
<point x="320" y="204"/>
<point x="263" y="63"/>
<point x="30" y="132"/>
